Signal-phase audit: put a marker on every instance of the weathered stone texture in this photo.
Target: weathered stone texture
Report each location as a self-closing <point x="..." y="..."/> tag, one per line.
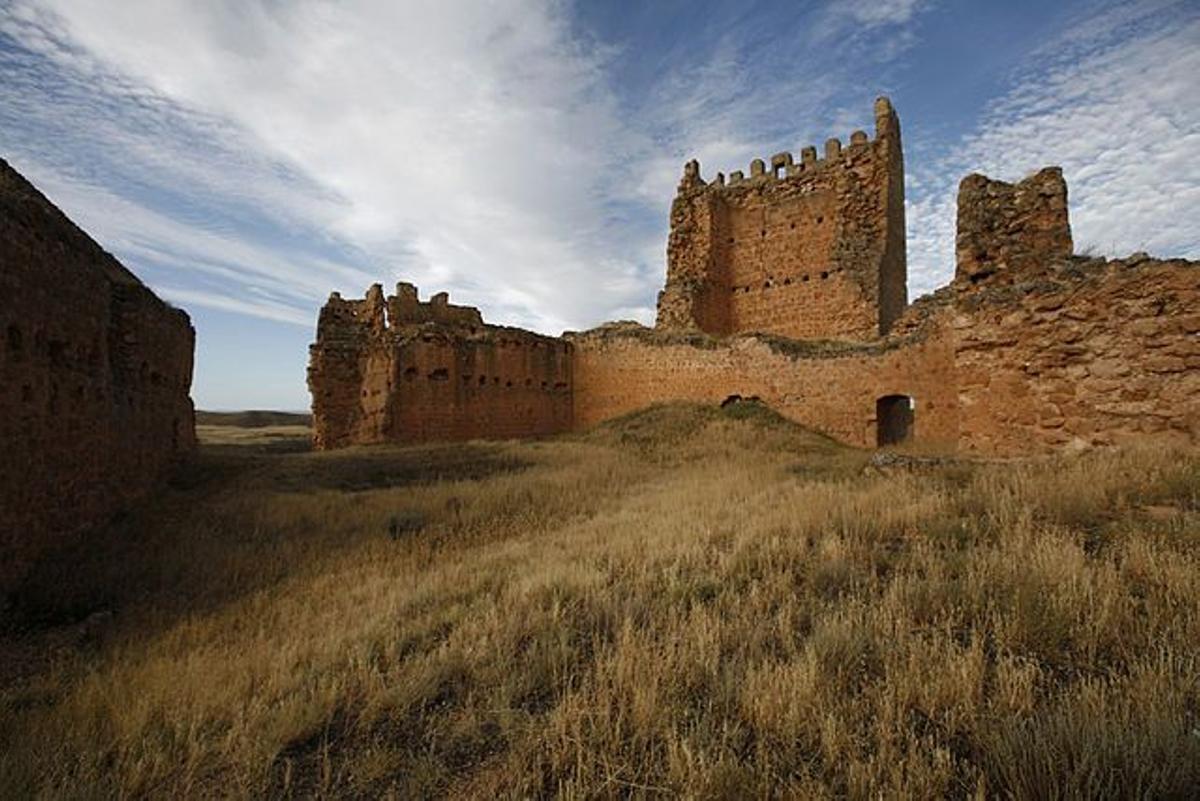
<point x="1009" y="228"/>
<point x="398" y="370"/>
<point x="813" y="249"/>
<point x="779" y="287"/>
<point x="1080" y="353"/>
<point x="94" y="378"/>
<point x="831" y="387"/>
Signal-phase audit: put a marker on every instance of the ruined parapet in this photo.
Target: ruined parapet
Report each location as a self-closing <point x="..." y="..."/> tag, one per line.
<point x="807" y="249"/>
<point x="1005" y="229"/>
<point x="399" y="370"/>
<point x="95" y="372"/>
<point x="404" y="308"/>
<point x="351" y="322"/>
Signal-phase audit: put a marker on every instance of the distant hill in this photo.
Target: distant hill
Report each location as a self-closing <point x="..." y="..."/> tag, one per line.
<point x="253" y="418"/>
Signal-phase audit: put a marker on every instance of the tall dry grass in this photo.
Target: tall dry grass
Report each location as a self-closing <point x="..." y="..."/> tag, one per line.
<point x="685" y="603"/>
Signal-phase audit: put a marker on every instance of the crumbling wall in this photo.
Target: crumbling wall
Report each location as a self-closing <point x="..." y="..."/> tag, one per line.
<point x="830" y="387"/>
<point x="789" y="286"/>
<point x="398" y="370"/>
<point x="806" y="250"/>
<point x="1058" y="351"/>
<point x="94" y="379"/>
<point x="1007" y="229"/>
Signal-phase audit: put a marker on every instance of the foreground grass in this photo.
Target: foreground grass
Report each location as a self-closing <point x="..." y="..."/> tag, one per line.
<point x="687" y="602"/>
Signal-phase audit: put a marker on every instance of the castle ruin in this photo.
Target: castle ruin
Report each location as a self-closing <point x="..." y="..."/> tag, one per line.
<point x="789" y="285"/>
<point x="95" y="372"/>
<point x="397" y="369"/>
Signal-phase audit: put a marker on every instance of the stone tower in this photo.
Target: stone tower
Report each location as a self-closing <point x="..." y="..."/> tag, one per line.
<point x="808" y="250"/>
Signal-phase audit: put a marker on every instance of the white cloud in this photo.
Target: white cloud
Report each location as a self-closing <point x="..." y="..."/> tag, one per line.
<point x="1119" y="110"/>
<point x="296" y="281"/>
<point x="880" y="12"/>
<point x="463" y="146"/>
<point x="266" y="309"/>
<point x="480" y="148"/>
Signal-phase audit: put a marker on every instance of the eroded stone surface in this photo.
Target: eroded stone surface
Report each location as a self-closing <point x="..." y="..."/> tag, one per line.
<point x="1029" y="349"/>
<point x="1007" y="229"/>
<point x="95" y="372"/>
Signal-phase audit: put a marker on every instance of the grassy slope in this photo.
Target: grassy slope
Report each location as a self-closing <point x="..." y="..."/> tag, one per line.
<point x="685" y="602"/>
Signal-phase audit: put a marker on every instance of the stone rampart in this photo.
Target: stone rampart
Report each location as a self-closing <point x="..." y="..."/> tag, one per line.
<point x="95" y="372"/>
<point x="788" y="286"/>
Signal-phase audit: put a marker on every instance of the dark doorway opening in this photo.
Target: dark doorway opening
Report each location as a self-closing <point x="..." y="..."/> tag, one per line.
<point x="893" y="419"/>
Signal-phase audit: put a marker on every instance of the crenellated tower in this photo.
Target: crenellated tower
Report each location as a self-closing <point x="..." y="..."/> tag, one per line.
<point x="813" y="249"/>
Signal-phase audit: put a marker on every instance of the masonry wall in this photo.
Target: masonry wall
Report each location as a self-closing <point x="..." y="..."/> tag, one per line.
<point x="1029" y="349"/>
<point x="1085" y="353"/>
<point x="383" y="378"/>
<point x="832" y="389"/>
<point x="807" y="250"/>
<point x="94" y="379"/>
<point x="1005" y="230"/>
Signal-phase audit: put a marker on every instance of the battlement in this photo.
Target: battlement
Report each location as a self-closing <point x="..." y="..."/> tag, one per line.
<point x="806" y="249"/>
<point x="400" y="369"/>
<point x="783" y="165"/>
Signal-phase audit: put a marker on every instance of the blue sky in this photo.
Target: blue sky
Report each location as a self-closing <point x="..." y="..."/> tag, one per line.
<point x="247" y="157"/>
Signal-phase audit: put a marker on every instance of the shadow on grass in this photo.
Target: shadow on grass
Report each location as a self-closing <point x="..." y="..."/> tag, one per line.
<point x="184" y="549"/>
<point x="373" y="468"/>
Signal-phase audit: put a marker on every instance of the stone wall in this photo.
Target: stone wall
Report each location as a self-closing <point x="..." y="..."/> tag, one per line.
<point x="94" y="379"/>
<point x="789" y="286"/>
<point x="1083" y="352"/>
<point x="813" y="249"/>
<point x="398" y="370"/>
<point x="830" y="387"/>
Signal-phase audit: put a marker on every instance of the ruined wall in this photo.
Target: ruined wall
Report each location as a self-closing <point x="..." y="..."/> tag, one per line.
<point x="94" y="379"/>
<point x="830" y="387"/>
<point x="1059" y="351"/>
<point x="806" y="250"/>
<point x="789" y="285"/>
<point x="398" y="370"/>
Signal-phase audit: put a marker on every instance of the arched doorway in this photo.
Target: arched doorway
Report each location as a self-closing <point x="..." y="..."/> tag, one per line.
<point x="893" y="419"/>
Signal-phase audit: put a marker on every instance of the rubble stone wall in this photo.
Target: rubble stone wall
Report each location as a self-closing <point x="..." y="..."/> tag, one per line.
<point x="95" y="372"/>
<point x="1004" y="230"/>
<point x="1081" y="353"/>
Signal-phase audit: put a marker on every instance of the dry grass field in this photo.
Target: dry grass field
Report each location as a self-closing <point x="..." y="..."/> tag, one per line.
<point x="687" y="602"/>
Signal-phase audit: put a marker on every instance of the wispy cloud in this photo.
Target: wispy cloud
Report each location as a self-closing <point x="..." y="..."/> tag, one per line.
<point x="441" y="142"/>
<point x="1115" y="101"/>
